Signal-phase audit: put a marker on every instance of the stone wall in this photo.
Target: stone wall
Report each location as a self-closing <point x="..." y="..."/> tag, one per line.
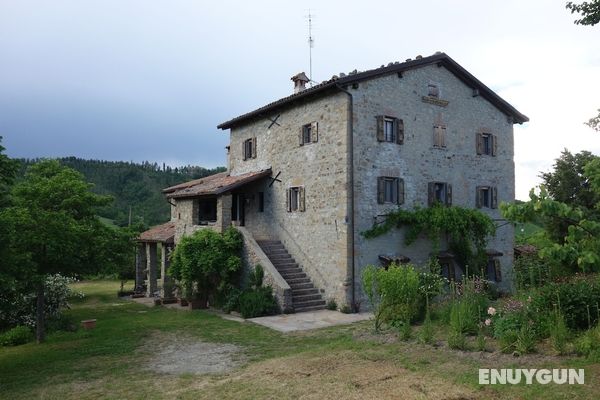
<point x="317" y="237"/>
<point x="253" y="255"/>
<point x="417" y="162"/>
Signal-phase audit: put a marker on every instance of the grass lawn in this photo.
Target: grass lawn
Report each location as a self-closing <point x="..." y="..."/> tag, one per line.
<point x="112" y="361"/>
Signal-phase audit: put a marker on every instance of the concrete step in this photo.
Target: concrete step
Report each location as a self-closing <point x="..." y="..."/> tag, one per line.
<point x="304" y="291"/>
<point x="307" y="309"/>
<point x="268" y="242"/>
<point x="293" y="275"/>
<point x="309" y="303"/>
<point x="272" y="252"/>
<point x="282" y="267"/>
<point x="299" y="299"/>
<point x="294" y="270"/>
<point x="281" y="258"/>
<point x="295" y="283"/>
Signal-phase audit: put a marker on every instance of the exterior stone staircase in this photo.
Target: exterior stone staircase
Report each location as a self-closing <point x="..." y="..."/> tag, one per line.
<point x="305" y="296"/>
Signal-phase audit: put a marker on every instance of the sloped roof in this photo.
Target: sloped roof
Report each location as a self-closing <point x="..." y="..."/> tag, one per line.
<point x="334" y="84"/>
<point x="164" y="233"/>
<point x="213" y="184"/>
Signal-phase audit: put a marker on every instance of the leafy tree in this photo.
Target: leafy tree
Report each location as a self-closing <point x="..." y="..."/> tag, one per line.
<point x="49" y="224"/>
<point x="589" y="11"/>
<point x="206" y="263"/>
<point x="594" y="122"/>
<point x="8" y="170"/>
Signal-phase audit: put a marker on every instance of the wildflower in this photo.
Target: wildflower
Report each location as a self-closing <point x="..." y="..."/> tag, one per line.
<point x="488" y="322"/>
<point x="492" y="311"/>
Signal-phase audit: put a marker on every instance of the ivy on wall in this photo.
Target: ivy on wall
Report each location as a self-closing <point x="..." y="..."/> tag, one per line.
<point x="465" y="230"/>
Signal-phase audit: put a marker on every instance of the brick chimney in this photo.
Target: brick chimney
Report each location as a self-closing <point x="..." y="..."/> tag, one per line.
<point x="300" y="81"/>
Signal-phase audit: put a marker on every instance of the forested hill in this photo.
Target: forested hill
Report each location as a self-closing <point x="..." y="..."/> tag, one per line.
<point x="132" y="184"/>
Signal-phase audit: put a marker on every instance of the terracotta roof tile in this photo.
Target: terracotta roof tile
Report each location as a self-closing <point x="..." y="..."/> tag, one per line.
<point x="214" y="184"/>
<point x="164" y="233"/>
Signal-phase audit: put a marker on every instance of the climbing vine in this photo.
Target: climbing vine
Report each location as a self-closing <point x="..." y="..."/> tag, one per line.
<point x="466" y="230"/>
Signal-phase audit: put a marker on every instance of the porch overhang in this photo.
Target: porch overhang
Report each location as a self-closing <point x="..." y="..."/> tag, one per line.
<point x="214" y="185"/>
<point x="164" y="233"/>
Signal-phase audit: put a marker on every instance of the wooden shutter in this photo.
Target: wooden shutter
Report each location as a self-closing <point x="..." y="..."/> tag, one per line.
<point x="494" y="140"/>
<point x="380" y="131"/>
<point x="399" y="131"/>
<point x="479" y="197"/>
<point x="448" y="194"/>
<point x="479" y="143"/>
<point x="244" y="148"/>
<point x="431" y="193"/>
<point x="314" y="132"/>
<point x="288" y="200"/>
<point x="436" y="136"/>
<point x="301" y="199"/>
<point x="254" y="147"/>
<point x="443" y="136"/>
<point x="494" y="194"/>
<point x="400" y="190"/>
<point x="498" y="270"/>
<point x="380" y="190"/>
<point x="301" y="136"/>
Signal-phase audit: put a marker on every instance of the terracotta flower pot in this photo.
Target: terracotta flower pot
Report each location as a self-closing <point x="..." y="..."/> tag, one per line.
<point x="88" y="324"/>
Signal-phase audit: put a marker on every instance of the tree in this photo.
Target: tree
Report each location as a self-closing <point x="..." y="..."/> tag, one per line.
<point x="8" y="170"/>
<point x="594" y="122"/>
<point x="50" y="221"/>
<point x="589" y="11"/>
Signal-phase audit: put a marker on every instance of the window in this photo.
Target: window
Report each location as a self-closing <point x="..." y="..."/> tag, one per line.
<point x="486" y="144"/>
<point x="207" y="211"/>
<point x="309" y="133"/>
<point x="390" y="129"/>
<point x="261" y="201"/>
<point x="447" y="269"/>
<point x="433" y="90"/>
<point x="390" y="190"/>
<point x="439" y="192"/>
<point x="295" y="199"/>
<point x="494" y="270"/>
<point x="249" y="148"/>
<point x="487" y="197"/>
<point x="439" y="136"/>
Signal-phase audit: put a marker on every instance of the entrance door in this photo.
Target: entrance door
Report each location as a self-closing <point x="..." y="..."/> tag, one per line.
<point x="237" y="208"/>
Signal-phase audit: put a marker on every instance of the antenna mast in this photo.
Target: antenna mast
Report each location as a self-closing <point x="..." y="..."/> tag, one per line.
<point x="311" y="43"/>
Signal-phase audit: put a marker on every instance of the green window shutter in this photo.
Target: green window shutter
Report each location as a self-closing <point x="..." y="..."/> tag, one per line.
<point x="254" y="147"/>
<point x="494" y="194"/>
<point x="301" y="199"/>
<point x="430" y="193"/>
<point x="314" y="132"/>
<point x="448" y="194"/>
<point x="479" y="197"/>
<point x="498" y="270"/>
<point x="301" y="136"/>
<point x="494" y="145"/>
<point x="380" y="133"/>
<point x="399" y="131"/>
<point x="400" y="191"/>
<point x="380" y="190"/>
<point x="288" y="200"/>
<point x="479" y="143"/>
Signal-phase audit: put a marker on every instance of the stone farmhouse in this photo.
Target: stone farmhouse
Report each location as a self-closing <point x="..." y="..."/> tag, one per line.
<point x="309" y="172"/>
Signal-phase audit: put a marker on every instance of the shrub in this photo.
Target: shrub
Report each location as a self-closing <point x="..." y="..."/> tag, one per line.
<point x="17" y="306"/>
<point x="207" y="263"/>
<point x="588" y="344"/>
<point x="526" y="339"/>
<point x="573" y="298"/>
<point x="559" y="333"/>
<point x="16" y="336"/>
<point x="232" y="300"/>
<point x="393" y="293"/>
<point x="472" y="300"/>
<point x="426" y="333"/>
<point x="530" y="271"/>
<point x="456" y="335"/>
<point x="346" y="309"/>
<point x="332" y="305"/>
<point x="257" y="302"/>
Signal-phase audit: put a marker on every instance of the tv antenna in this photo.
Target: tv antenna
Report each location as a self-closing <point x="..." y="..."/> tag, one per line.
<point x="311" y="44"/>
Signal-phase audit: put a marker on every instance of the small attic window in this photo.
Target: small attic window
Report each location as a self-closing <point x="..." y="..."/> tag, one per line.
<point x="433" y="90"/>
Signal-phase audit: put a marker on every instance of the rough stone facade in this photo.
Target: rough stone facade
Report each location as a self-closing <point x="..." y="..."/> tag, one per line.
<point x="418" y="162"/>
<point x="319" y="237"/>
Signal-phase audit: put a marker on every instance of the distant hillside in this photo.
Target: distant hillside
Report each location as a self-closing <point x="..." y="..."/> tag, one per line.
<point x="132" y="185"/>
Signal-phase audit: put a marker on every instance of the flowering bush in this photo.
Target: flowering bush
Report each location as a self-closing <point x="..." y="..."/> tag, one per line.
<point x="19" y="308"/>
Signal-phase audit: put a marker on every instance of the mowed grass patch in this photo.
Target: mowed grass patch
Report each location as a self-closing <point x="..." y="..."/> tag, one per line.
<point x="340" y="362"/>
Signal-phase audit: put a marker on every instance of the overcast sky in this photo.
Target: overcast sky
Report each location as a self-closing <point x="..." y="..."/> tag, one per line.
<point x="150" y="80"/>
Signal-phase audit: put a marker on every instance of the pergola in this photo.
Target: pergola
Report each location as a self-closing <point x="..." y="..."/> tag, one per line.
<point x="146" y="263"/>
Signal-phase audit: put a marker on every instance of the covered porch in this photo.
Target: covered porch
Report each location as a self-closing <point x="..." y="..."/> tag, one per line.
<point x="152" y="245"/>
